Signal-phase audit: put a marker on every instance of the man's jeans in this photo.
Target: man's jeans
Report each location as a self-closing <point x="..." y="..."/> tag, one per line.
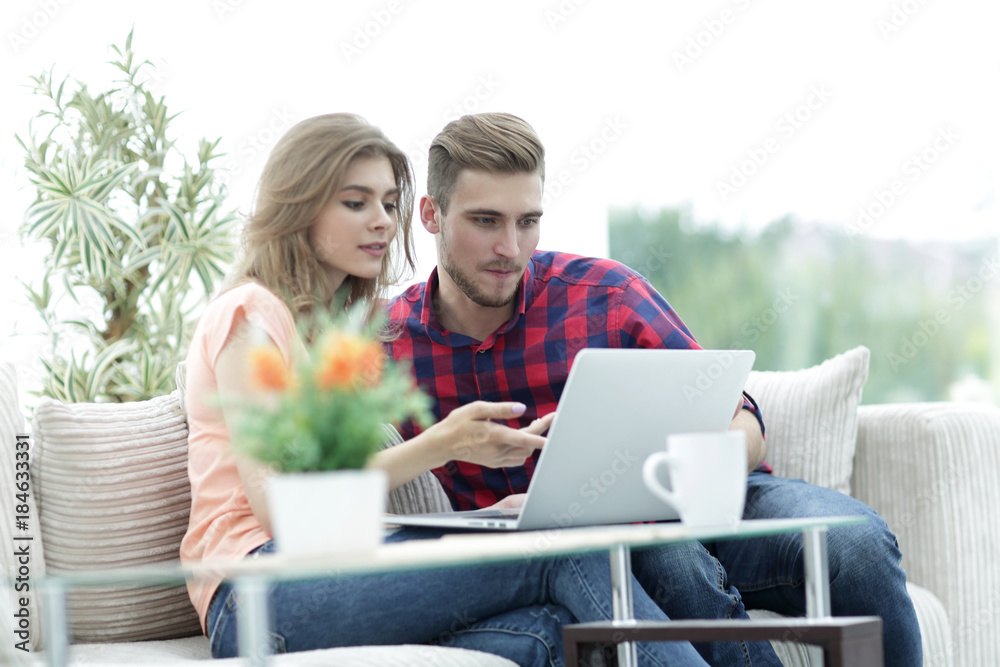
<point x="526" y="635"/>
<point x="515" y="610"/>
<point x="769" y="572"/>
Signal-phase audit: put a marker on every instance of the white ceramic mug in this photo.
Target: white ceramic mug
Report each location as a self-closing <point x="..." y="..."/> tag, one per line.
<point x="707" y="473"/>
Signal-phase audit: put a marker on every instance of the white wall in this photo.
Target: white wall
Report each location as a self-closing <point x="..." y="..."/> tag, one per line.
<point x="816" y="110"/>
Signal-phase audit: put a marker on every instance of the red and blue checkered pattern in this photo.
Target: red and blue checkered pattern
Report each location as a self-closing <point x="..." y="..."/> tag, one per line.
<point x="565" y="303"/>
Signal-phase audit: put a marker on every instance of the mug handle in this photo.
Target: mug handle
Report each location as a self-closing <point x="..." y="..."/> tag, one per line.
<point x="649" y="468"/>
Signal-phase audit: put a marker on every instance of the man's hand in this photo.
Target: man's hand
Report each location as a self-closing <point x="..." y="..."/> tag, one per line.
<point x="512" y="501"/>
<point x="470" y="434"/>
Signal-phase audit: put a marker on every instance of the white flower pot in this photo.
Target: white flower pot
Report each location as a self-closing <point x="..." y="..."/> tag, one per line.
<point x="327" y="512"/>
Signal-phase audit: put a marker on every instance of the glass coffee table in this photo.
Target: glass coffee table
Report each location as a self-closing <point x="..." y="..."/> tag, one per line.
<point x="252" y="577"/>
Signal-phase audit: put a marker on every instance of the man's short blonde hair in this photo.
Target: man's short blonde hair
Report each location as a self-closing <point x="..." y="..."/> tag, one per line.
<point x="498" y="143"/>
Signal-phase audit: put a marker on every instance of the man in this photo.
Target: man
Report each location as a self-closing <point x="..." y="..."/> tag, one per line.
<point x="499" y="321"/>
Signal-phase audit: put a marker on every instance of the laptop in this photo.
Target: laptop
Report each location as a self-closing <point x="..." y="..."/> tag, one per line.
<point x="617" y="408"/>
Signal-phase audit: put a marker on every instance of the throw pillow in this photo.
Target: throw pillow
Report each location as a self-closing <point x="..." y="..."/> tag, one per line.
<point x="112" y="489"/>
<point x="22" y="560"/>
<point x="811" y="418"/>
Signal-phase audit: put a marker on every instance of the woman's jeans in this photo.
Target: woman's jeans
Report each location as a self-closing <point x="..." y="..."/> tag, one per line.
<point x="723" y="579"/>
<point x="515" y="610"/>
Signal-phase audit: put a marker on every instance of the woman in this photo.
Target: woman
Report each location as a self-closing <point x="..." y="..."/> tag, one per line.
<point x="330" y="203"/>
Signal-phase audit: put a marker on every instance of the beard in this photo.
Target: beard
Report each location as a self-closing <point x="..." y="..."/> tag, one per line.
<point x="469" y="287"/>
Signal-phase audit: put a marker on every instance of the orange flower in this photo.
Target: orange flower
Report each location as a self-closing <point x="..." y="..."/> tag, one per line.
<point x="347" y="360"/>
<point x="267" y="368"/>
<point x="372" y="363"/>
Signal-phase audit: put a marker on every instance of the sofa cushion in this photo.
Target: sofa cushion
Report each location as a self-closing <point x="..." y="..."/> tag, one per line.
<point x="811" y="418"/>
<point x="935" y="627"/>
<point x="17" y="534"/>
<point x="194" y="651"/>
<point x="790" y="654"/>
<point x="112" y="489"/>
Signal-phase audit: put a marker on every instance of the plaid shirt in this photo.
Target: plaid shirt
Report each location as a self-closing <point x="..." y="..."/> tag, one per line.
<point x="565" y="303"/>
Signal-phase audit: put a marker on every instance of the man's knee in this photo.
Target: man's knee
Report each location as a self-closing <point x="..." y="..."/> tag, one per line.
<point x="865" y="552"/>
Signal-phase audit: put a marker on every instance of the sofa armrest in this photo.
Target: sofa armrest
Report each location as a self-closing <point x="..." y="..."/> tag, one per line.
<point x="931" y="470"/>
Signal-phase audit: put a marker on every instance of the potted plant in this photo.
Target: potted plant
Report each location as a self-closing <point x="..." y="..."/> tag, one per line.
<point x="318" y="425"/>
<point x="139" y="233"/>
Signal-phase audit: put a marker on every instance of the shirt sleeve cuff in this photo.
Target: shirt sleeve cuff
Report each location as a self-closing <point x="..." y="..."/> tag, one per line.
<point x="751" y="405"/>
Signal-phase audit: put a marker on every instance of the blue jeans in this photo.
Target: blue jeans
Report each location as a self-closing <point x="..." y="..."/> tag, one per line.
<point x="515" y="610"/>
<point x="727" y="577"/>
<point x="527" y="635"/>
<point x="687" y="581"/>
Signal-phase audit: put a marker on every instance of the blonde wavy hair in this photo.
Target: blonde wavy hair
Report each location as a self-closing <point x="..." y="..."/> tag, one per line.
<point x="304" y="170"/>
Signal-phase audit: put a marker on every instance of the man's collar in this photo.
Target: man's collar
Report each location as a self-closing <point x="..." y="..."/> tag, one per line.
<point x="524" y="293"/>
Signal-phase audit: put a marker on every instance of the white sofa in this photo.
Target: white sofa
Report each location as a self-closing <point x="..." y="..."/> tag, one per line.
<point x="110" y="488"/>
